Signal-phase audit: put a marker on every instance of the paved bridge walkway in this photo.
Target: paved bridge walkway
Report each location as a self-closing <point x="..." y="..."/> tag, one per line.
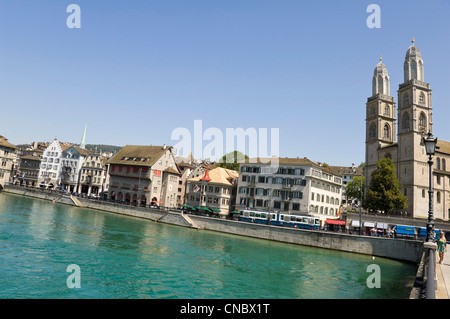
<point x="443" y="276"/>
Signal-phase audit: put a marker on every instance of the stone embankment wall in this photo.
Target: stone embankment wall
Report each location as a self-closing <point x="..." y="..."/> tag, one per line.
<point x="400" y="249"/>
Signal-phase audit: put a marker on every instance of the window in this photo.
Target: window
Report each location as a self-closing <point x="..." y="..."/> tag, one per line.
<point x="386" y="110"/>
<point x="422" y="121"/>
<point x="438" y="197"/>
<point x="406" y="100"/>
<point x="386" y="131"/>
<point x="423" y="193"/>
<point x="372" y="131"/>
<point x="405" y="121"/>
<point x="422" y="98"/>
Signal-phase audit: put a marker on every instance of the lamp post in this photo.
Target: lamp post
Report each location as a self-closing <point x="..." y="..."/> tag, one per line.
<point x="361" y="196"/>
<point x="430" y="146"/>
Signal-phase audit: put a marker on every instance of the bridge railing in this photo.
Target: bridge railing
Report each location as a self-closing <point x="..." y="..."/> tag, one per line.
<point x="430" y="289"/>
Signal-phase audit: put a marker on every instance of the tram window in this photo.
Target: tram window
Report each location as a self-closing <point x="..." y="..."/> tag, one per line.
<point x="273" y="216"/>
<point x="252" y="214"/>
<point x="306" y="220"/>
<point x="263" y="215"/>
<point x="257" y="215"/>
<point x="282" y="217"/>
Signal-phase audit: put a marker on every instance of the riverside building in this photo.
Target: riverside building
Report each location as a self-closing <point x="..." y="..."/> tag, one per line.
<point x="142" y="175"/>
<point x="7" y="157"/>
<point x="298" y="186"/>
<point x="215" y="190"/>
<point x="94" y="174"/>
<point x="50" y="170"/>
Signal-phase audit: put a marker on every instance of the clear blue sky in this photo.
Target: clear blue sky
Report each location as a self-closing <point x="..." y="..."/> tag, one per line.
<point x="136" y="70"/>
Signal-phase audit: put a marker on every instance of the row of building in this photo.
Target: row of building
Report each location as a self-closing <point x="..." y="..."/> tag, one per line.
<point x="151" y="175"/>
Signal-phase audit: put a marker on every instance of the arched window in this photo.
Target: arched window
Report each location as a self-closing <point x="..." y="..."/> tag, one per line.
<point x="406" y="100"/>
<point x="422" y="98"/>
<point x="443" y="164"/>
<point x="406" y="71"/>
<point x="386" y="131"/>
<point x="380" y="85"/>
<point x="372" y="131"/>
<point x="413" y="70"/>
<point x="386" y="110"/>
<point x="420" y="71"/>
<point x="438" y="163"/>
<point x="405" y="121"/>
<point x="422" y="121"/>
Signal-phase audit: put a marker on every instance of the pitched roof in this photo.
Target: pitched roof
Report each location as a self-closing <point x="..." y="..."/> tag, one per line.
<point x="80" y="150"/>
<point x="138" y="155"/>
<point x="172" y="170"/>
<point x="443" y="146"/>
<point x="184" y="164"/>
<point x="219" y="175"/>
<point x="4" y="143"/>
<point x="281" y="160"/>
<point x="339" y="170"/>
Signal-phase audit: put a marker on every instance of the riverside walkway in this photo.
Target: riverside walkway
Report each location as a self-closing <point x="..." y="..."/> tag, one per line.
<point x="443" y="277"/>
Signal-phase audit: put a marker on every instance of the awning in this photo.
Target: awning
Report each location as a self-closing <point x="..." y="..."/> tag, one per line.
<point x="369" y="224"/>
<point x="355" y="223"/>
<point x="382" y="226"/>
<point x="335" y="222"/>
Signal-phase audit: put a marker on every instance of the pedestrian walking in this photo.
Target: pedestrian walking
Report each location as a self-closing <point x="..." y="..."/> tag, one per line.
<point x="441" y="246"/>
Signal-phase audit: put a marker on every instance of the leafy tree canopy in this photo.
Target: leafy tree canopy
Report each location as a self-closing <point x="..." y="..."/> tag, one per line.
<point x="232" y="160"/>
<point x="385" y="191"/>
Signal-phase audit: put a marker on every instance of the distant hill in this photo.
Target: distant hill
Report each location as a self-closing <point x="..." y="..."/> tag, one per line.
<point x="91" y="147"/>
<point x="103" y="147"/>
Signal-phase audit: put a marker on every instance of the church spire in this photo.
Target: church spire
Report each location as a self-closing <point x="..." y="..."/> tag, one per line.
<point x="380" y="80"/>
<point x="83" y="138"/>
<point x="413" y="66"/>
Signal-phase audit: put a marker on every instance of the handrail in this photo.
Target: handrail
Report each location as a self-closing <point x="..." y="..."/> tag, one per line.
<point x="431" y="289"/>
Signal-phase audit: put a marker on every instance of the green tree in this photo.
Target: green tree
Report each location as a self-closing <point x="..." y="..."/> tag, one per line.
<point x="232" y="160"/>
<point x="385" y="191"/>
<point x="353" y="188"/>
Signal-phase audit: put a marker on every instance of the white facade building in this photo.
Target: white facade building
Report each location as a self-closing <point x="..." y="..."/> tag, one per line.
<point x="50" y="170"/>
<point x="299" y="186"/>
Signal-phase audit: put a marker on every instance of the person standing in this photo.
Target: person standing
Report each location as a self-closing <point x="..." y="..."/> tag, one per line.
<point x="441" y="246"/>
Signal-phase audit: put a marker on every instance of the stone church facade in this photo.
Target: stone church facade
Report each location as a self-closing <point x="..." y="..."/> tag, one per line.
<point x="396" y="131"/>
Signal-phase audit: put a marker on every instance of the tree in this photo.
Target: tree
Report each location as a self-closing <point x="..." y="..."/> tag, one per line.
<point x="234" y="158"/>
<point x="385" y="191"/>
<point x="353" y="188"/>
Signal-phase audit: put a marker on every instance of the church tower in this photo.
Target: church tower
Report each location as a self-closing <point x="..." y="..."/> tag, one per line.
<point x="414" y="121"/>
<point x="380" y="119"/>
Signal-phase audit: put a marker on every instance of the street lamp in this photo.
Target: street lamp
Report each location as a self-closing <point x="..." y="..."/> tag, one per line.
<point x="430" y="146"/>
<point x="361" y="196"/>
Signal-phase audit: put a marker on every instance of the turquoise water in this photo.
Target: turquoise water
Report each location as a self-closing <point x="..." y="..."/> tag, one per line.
<point x="124" y="257"/>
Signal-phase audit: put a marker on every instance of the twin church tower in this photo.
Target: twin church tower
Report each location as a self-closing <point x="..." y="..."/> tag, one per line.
<point x="396" y="133"/>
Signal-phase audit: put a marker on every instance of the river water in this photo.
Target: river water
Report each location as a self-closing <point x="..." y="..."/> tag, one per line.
<point x="125" y="257"/>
